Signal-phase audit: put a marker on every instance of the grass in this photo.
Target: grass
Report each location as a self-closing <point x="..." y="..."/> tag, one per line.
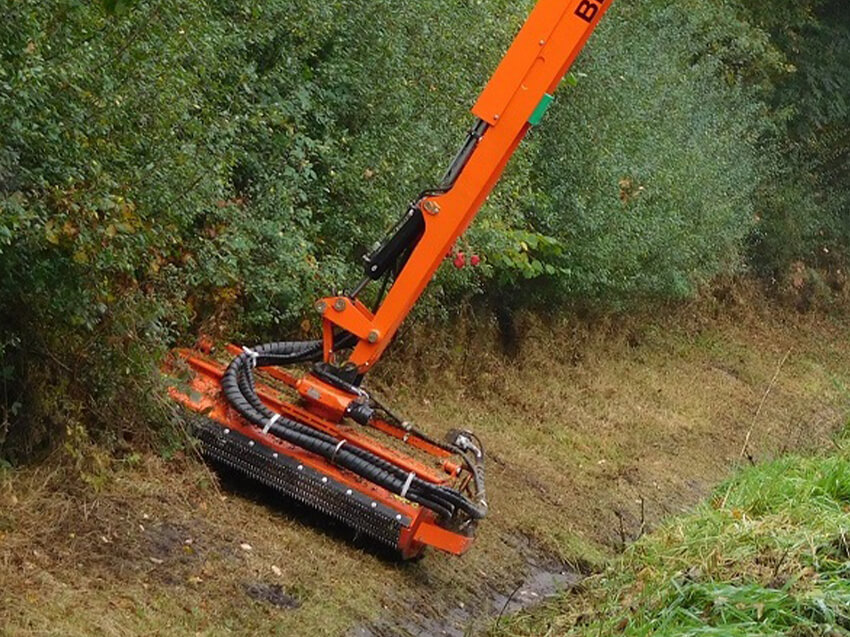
<point x="768" y="554"/>
<point x="583" y="424"/>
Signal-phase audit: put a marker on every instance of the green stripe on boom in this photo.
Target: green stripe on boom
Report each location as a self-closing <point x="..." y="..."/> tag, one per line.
<point x="540" y="111"/>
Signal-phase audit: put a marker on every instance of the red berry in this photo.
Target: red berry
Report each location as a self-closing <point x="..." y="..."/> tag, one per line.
<point x="475" y="260"/>
<point x="460" y="260"/>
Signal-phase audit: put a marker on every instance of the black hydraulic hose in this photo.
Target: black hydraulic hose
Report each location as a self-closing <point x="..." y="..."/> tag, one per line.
<point x="474" y="464"/>
<point x="358" y="460"/>
<point x="303" y="436"/>
<point x="238" y="388"/>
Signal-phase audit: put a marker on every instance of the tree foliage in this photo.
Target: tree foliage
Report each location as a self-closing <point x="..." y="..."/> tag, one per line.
<point x="169" y="167"/>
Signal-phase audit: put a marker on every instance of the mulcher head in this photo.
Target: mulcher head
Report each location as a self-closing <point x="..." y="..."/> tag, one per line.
<point x="297" y="449"/>
<point x="232" y="450"/>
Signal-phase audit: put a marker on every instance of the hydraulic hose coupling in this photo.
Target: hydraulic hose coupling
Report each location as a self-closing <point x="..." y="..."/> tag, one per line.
<point x="360" y="413"/>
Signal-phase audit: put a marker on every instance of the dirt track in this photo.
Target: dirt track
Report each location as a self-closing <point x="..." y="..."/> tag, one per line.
<point x="594" y="434"/>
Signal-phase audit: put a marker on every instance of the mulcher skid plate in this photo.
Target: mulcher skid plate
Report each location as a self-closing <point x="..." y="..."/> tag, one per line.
<point x="227" y="440"/>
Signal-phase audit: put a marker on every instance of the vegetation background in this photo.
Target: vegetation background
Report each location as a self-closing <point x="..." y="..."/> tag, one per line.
<point x="171" y="167"/>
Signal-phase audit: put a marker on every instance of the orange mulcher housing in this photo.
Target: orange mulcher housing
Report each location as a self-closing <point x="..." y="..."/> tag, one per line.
<point x="316" y="450"/>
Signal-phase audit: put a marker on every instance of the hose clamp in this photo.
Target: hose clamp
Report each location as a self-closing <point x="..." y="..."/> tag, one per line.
<point x="466" y="444"/>
<point x="252" y="354"/>
<point x="271" y="421"/>
<point x="336" y="451"/>
<point x="407" y="483"/>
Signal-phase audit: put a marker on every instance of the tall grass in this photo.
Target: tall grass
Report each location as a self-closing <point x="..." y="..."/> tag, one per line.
<point x="768" y="554"/>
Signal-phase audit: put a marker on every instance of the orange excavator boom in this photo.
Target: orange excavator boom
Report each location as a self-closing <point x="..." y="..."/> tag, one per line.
<point x="515" y="99"/>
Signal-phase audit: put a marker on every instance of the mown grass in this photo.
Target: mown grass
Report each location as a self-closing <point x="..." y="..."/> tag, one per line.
<point x="768" y="554"/>
<point x="583" y="425"/>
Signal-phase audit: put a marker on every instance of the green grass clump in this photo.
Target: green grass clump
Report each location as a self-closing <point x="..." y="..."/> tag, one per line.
<point x="769" y="554"/>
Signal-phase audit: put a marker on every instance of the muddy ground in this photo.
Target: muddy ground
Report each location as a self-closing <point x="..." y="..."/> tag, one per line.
<point x="595" y="432"/>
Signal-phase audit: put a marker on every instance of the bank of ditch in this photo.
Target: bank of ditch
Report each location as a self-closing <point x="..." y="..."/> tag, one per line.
<point x="766" y="555"/>
<point x="596" y="430"/>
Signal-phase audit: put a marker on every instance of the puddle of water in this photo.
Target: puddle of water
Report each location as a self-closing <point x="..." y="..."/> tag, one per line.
<point x="540" y="584"/>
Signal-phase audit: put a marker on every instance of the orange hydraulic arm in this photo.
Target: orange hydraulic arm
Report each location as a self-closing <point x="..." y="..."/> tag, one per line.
<point x="514" y="100"/>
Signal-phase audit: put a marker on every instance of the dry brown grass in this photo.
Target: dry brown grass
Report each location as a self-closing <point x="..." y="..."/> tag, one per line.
<point x="585" y="422"/>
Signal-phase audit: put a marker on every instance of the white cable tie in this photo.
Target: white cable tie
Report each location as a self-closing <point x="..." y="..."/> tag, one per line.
<point x="252" y="353"/>
<point x="336" y="451"/>
<point x="407" y="483"/>
<point x="271" y="421"/>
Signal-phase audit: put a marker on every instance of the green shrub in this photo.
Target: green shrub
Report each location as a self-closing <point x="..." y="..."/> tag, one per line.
<point x="804" y="210"/>
<point x="167" y="168"/>
<point x="648" y="171"/>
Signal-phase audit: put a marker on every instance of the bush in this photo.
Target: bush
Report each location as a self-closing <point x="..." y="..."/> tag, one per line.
<point x="169" y="168"/>
<point x="804" y="211"/>
<point x="647" y="174"/>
